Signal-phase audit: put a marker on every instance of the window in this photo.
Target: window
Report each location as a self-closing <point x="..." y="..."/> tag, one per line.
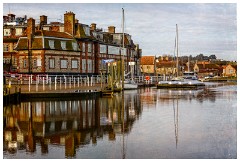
<point x="34" y="63"/>
<point x="7" y="32"/>
<point x="61" y="29"/>
<point x="83" y="47"/>
<point x="18" y="31"/>
<point x="39" y="62"/>
<point x="51" y="63"/>
<point x="51" y="44"/>
<point x="83" y="65"/>
<point x="63" y="45"/>
<point x="6" y="60"/>
<point x="74" y="64"/>
<point x="63" y="64"/>
<point x="5" y="47"/>
<point x="24" y="63"/>
<point x="46" y="28"/>
<point x="89" y="65"/>
<point x="90" y="47"/>
<point x="86" y="30"/>
<point x="74" y="45"/>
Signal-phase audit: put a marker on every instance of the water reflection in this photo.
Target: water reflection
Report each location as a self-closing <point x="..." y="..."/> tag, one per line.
<point x="143" y="123"/>
<point x="72" y="124"/>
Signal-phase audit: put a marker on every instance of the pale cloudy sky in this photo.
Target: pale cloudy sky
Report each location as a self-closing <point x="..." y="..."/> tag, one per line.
<point x="208" y="28"/>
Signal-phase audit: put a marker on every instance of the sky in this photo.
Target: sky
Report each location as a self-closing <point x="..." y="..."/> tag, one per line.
<point x="207" y="28"/>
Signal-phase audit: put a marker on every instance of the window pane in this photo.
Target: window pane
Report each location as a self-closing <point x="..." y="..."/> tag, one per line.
<point x="74" y="64"/>
<point x="64" y="64"/>
<point x="51" y="63"/>
<point x="51" y="44"/>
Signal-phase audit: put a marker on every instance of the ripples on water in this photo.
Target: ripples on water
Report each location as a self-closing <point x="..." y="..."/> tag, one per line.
<point x="155" y="124"/>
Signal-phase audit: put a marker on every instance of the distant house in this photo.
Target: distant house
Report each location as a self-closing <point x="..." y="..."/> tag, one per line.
<point x="147" y="65"/>
<point x="230" y="70"/>
<point x="207" y="69"/>
<point x="166" y="68"/>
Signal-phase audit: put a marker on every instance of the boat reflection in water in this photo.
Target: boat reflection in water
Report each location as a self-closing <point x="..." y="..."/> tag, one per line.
<point x="69" y="124"/>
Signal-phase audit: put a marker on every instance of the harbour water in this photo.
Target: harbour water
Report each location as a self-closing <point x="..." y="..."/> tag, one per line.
<point x="147" y="123"/>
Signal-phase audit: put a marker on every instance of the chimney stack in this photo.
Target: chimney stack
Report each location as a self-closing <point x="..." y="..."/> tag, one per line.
<point x="93" y="26"/>
<point x="111" y="29"/>
<point x="43" y="20"/>
<point x="30" y="30"/>
<point x="76" y="21"/>
<point x="69" y="23"/>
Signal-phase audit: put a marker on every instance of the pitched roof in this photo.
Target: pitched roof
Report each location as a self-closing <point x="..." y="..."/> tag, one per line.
<point x="147" y="60"/>
<point x="166" y="64"/>
<point x="235" y="67"/>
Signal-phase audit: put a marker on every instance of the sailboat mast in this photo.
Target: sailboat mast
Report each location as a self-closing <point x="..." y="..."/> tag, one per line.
<point x="122" y="49"/>
<point x="177" y="48"/>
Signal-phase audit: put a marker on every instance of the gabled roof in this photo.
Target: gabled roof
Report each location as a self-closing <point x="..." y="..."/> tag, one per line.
<point x="147" y="60"/>
<point x="233" y="66"/>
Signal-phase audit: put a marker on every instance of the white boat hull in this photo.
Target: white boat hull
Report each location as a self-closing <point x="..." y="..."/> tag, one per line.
<point x="130" y="86"/>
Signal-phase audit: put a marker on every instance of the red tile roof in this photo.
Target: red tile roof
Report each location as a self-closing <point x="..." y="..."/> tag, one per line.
<point x="147" y="60"/>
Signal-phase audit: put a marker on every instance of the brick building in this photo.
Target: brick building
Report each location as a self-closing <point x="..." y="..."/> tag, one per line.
<point x="83" y="47"/>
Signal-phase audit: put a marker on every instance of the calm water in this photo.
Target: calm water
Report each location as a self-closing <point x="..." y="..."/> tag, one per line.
<point x="141" y="124"/>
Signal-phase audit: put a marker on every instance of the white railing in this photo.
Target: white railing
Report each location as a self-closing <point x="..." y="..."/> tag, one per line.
<point x="56" y="82"/>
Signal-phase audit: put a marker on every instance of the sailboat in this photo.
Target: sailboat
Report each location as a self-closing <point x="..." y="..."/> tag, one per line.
<point x="179" y="81"/>
<point x="128" y="84"/>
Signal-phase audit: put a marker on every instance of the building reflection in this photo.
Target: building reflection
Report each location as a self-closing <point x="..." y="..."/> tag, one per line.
<point x="70" y="123"/>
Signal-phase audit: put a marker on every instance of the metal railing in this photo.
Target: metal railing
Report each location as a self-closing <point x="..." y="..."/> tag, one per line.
<point x="56" y="82"/>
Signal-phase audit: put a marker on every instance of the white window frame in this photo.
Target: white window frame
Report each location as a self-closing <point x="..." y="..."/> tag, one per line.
<point x="83" y="65"/>
<point x="74" y="45"/>
<point x="51" y="44"/>
<point x="51" y="63"/>
<point x="63" y="63"/>
<point x="74" y="63"/>
<point x="63" y="45"/>
<point x="19" y="31"/>
<point x="7" y="32"/>
<point x="90" y="47"/>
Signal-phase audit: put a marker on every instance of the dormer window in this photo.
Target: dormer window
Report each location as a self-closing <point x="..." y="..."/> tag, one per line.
<point x="63" y="45"/>
<point x="86" y="30"/>
<point x="51" y="44"/>
<point x="18" y="31"/>
<point x="74" y="45"/>
<point x="7" y="32"/>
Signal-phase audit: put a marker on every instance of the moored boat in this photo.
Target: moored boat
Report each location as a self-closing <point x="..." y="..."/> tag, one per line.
<point x="185" y="84"/>
<point x="130" y="84"/>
